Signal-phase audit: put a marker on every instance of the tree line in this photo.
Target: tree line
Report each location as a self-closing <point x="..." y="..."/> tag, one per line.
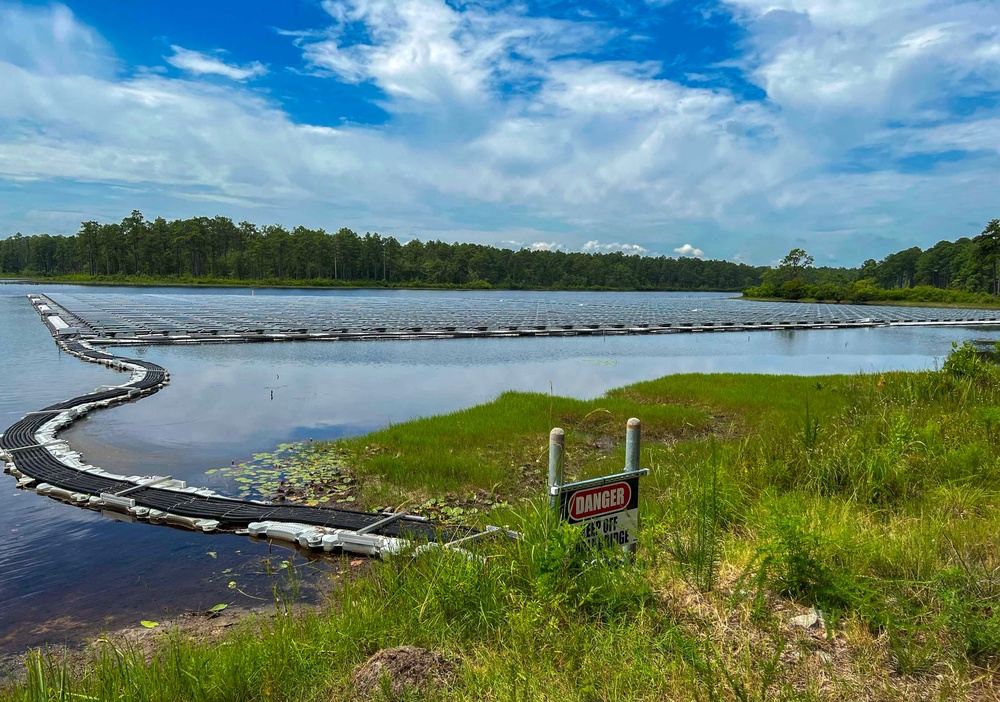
<point x="217" y="250"/>
<point x="203" y="249"/>
<point x="965" y="270"/>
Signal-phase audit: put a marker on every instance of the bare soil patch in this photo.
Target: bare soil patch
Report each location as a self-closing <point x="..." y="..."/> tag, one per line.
<point x="402" y="669"/>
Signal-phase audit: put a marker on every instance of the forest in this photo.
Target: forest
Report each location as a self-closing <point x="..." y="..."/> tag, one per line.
<point x="961" y="271"/>
<point x="215" y="250"/>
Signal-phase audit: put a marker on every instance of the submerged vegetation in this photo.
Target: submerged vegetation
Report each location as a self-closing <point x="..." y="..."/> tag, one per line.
<point x="802" y="539"/>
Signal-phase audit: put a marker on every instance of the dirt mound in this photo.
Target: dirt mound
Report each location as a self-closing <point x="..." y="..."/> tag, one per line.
<point x="404" y="668"/>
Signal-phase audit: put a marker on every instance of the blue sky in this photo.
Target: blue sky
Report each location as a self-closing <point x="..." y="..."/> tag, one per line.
<point x="732" y="129"/>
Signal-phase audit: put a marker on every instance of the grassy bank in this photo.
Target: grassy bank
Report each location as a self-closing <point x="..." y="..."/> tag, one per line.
<point x="983" y="304"/>
<point x="865" y="291"/>
<point x="875" y="499"/>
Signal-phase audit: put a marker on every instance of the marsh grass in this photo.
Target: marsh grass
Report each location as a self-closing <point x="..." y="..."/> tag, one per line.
<point x="875" y="499"/>
<point x="501" y="447"/>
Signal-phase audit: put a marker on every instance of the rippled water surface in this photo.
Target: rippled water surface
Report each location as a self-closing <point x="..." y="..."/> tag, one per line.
<point x="66" y="571"/>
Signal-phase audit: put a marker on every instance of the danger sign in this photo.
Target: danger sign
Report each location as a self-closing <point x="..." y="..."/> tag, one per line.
<point x="600" y="500"/>
<point x="607" y="508"/>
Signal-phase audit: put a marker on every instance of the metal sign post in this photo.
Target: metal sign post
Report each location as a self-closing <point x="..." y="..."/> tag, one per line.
<point x="557" y="457"/>
<point x="607" y="508"/>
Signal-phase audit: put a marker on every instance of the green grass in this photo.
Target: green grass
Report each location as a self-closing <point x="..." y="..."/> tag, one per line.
<point x="875" y="499"/>
<point x="503" y="446"/>
<point x="982" y="302"/>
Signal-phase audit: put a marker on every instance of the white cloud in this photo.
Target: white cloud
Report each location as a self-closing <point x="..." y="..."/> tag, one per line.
<point x="837" y="13"/>
<point x="546" y="246"/>
<point x="874" y="61"/>
<point x="688" y="250"/>
<point x="979" y="135"/>
<point x="205" y="64"/>
<point x="428" y="51"/>
<point x="51" y="41"/>
<point x="595" y="246"/>
<point x="594" y="146"/>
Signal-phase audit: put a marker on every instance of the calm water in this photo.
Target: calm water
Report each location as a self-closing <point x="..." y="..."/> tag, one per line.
<point x="65" y="572"/>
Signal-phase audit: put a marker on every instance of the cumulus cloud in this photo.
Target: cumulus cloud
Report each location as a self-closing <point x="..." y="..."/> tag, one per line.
<point x="205" y="64"/>
<point x="589" y="145"/>
<point x="595" y="246"/>
<point x="546" y="246"/>
<point x="688" y="250"/>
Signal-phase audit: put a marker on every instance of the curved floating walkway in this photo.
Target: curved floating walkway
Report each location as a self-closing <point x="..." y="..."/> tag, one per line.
<point x="50" y="467"/>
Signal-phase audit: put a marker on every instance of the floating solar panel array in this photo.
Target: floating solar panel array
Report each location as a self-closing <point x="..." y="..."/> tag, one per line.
<point x="152" y="318"/>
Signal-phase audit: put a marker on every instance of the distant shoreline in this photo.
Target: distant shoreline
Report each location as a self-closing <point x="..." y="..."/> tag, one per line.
<point x="332" y="285"/>
<point x="368" y="285"/>
<point x="882" y="303"/>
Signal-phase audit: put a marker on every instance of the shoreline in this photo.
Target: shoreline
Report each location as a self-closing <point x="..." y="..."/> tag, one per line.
<point x="339" y="285"/>
<point x="344" y="285"/>
<point x="767" y="451"/>
<point x="879" y="303"/>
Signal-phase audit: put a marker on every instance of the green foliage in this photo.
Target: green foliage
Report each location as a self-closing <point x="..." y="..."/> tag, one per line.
<point x="798" y="563"/>
<point x="698" y="518"/>
<point x="875" y="498"/>
<point x="217" y="251"/>
<point x="767" y="289"/>
<point x="965" y="361"/>
<point x="915" y="651"/>
<point x="809" y="433"/>
<point x="563" y="571"/>
<point x="497" y="446"/>
<point x="797" y="259"/>
<point x="963" y="272"/>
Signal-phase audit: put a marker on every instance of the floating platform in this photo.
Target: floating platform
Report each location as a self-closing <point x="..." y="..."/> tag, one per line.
<point x="84" y="325"/>
<point x="41" y="462"/>
<point x="119" y="319"/>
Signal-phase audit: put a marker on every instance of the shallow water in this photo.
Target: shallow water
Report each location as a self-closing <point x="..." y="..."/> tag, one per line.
<point x="66" y="571"/>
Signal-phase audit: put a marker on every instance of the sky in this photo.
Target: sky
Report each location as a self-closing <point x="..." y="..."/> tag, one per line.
<point x="722" y="129"/>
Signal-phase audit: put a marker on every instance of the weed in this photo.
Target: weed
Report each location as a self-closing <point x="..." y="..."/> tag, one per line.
<point x="798" y="563"/>
<point x="809" y="433"/>
<point x="914" y="649"/>
<point x="694" y="543"/>
<point x="964" y="361"/>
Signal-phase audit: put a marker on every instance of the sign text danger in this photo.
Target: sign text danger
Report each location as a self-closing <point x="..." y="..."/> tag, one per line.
<point x="608" y="513"/>
<point x="600" y="500"/>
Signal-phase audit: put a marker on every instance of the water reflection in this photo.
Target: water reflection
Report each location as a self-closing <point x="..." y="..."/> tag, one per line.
<point x="219" y="405"/>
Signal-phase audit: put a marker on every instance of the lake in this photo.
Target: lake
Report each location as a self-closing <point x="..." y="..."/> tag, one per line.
<point x="66" y="572"/>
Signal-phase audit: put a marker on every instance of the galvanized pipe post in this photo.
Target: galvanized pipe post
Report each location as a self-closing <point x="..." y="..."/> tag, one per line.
<point x="633" y="435"/>
<point x="633" y="432"/>
<point x="557" y="456"/>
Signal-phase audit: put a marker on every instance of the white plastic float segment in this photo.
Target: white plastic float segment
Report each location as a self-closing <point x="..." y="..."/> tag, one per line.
<point x="328" y="539"/>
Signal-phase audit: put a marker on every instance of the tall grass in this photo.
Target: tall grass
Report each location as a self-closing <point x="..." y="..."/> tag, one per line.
<point x="875" y="499"/>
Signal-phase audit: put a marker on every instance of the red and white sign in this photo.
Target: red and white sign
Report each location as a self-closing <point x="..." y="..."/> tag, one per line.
<point x="598" y="501"/>
<point x="606" y="508"/>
